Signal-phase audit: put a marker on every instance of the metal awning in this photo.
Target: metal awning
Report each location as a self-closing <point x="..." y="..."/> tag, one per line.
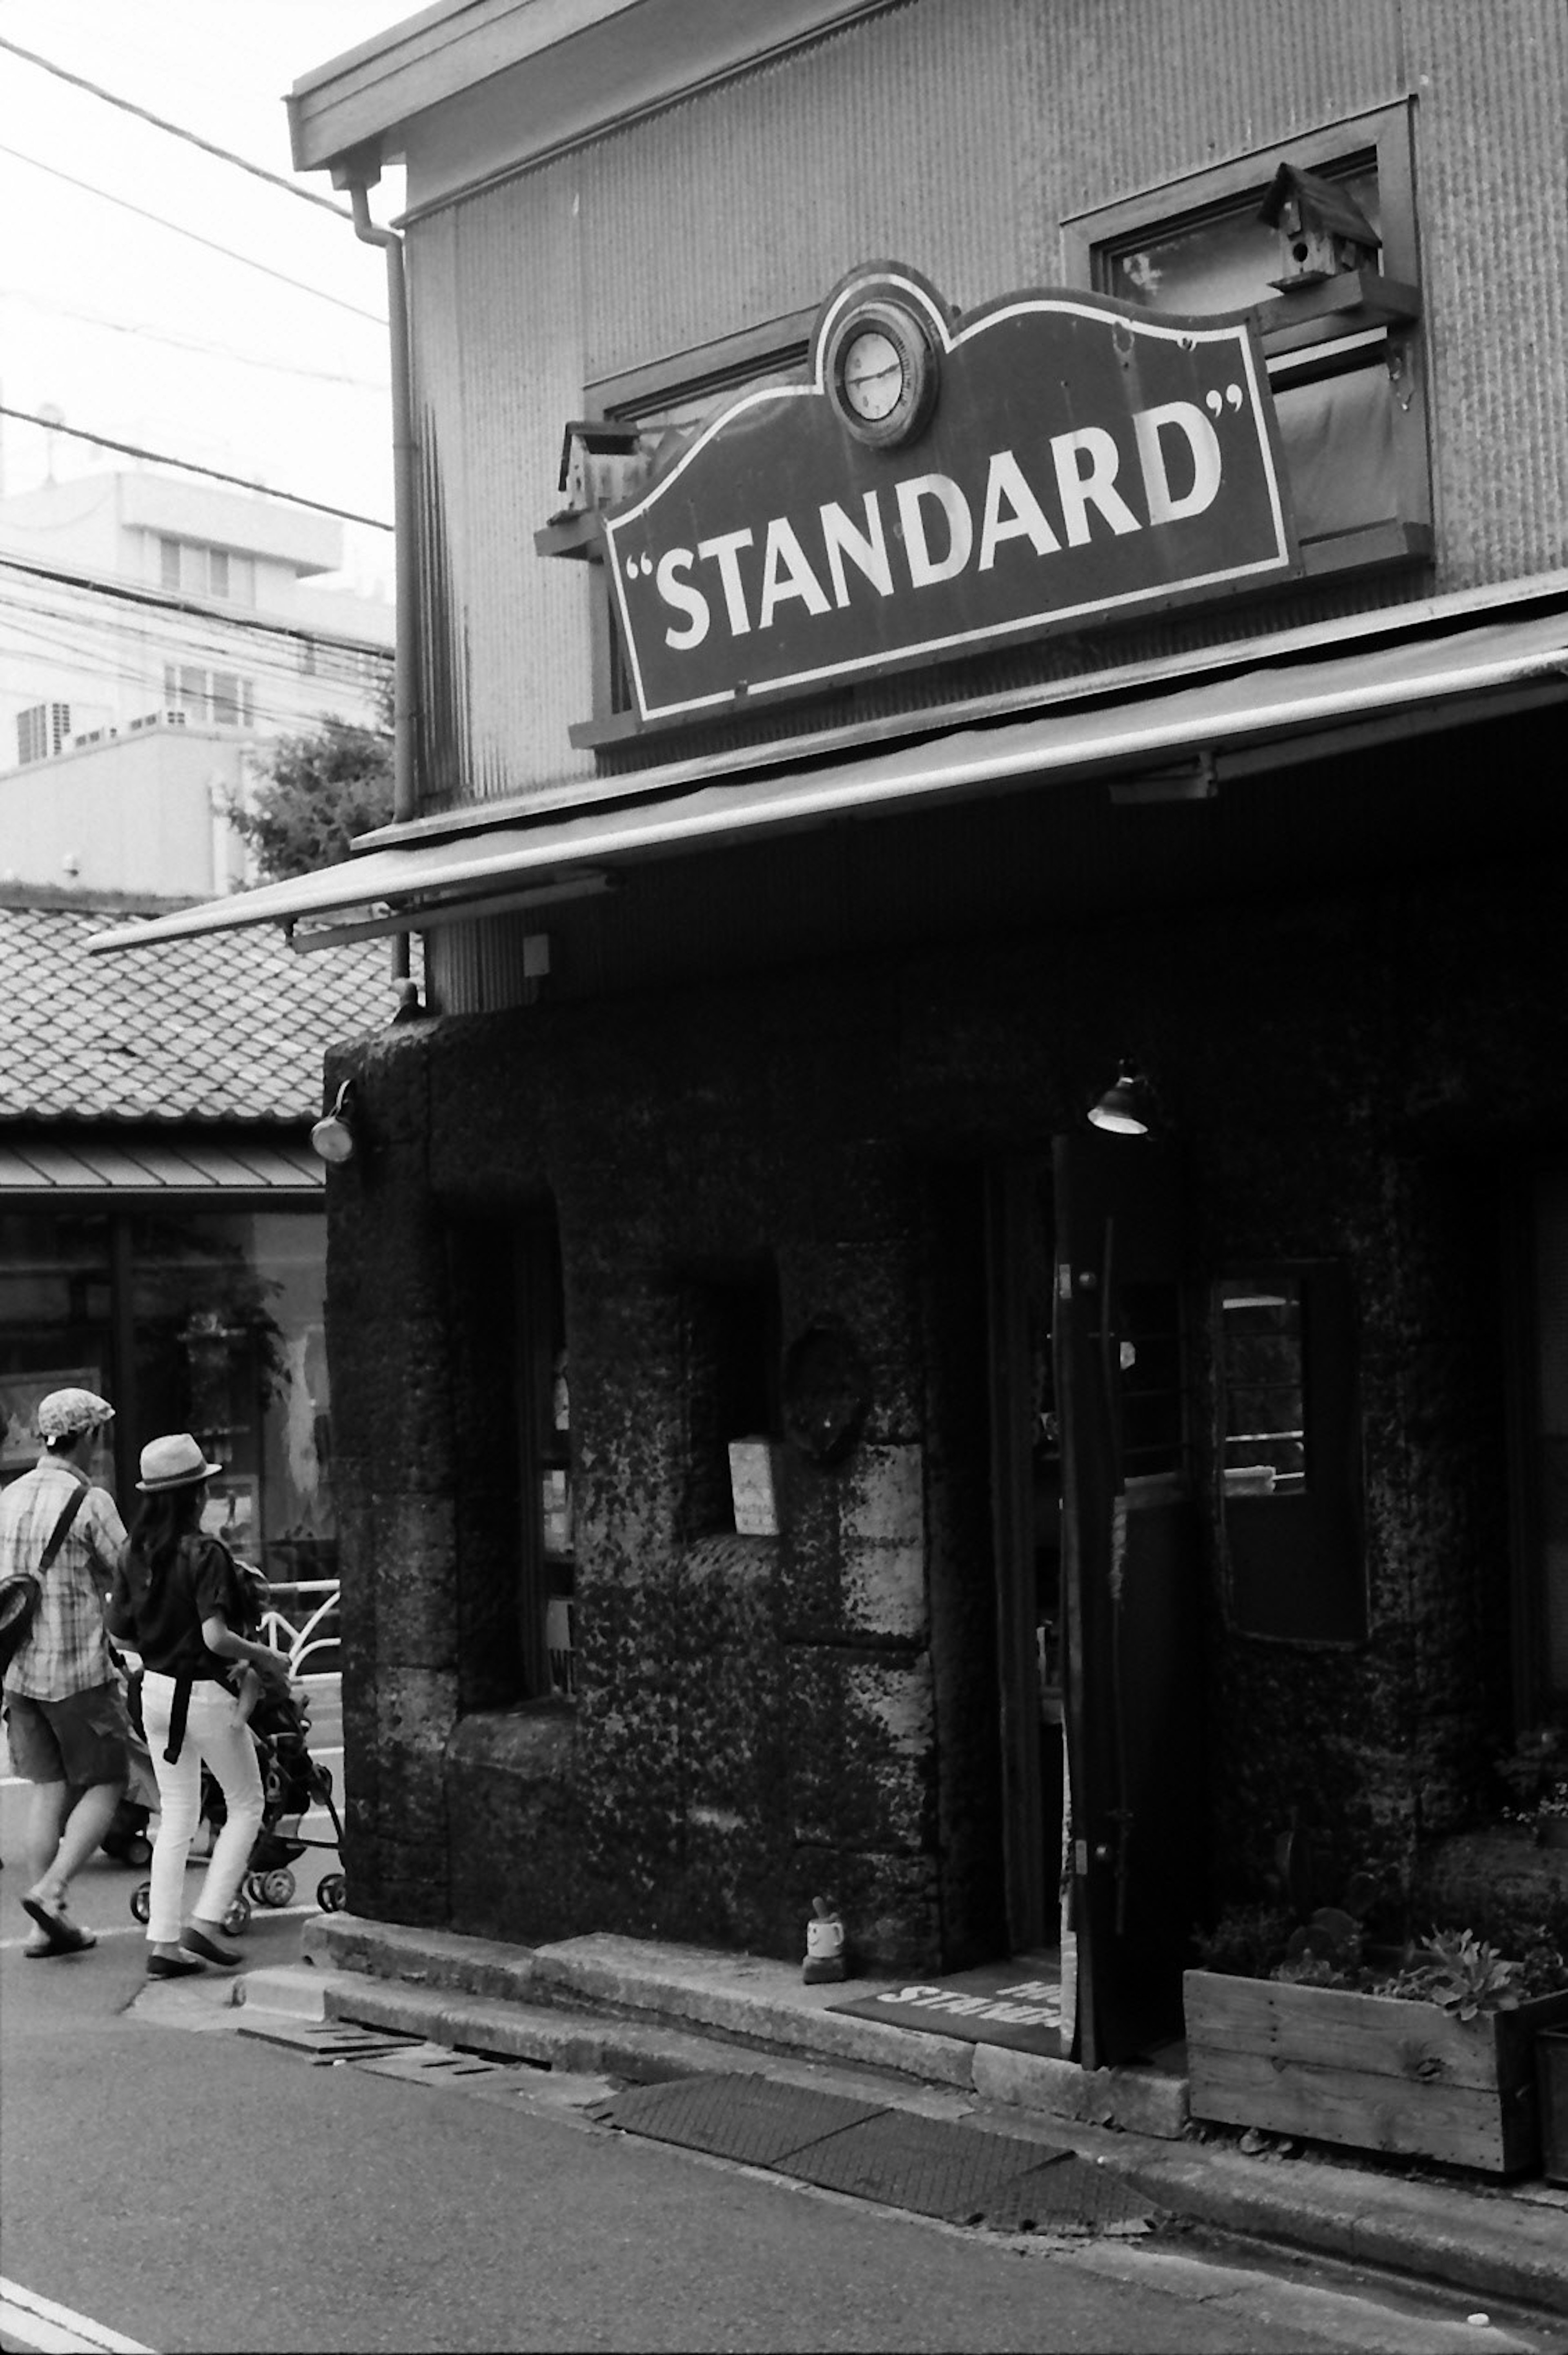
<point x="1246" y="722"/>
<point x="92" y="1164"/>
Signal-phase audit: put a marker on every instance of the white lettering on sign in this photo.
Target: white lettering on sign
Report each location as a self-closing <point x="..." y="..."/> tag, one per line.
<point x="787" y="573"/>
<point x="1080" y="487"/>
<point x="1025" y="518"/>
<point x="1046" y="2014"/>
<point x="725" y="552"/>
<point x="1203" y="444"/>
<point x="835" y="558"/>
<point x="683" y="597"/>
<point x="924" y="567"/>
<point x="867" y="550"/>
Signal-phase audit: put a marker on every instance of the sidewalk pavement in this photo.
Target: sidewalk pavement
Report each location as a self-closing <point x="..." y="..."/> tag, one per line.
<point x="644" y="2011"/>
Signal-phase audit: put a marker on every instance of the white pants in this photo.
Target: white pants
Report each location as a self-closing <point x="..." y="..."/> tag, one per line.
<point x="214" y="1737"/>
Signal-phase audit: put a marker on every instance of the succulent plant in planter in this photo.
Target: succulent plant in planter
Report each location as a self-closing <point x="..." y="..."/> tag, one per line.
<point x="1430" y="2053"/>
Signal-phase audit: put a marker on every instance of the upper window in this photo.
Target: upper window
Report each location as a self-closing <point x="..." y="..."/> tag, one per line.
<point x="199" y="571"/>
<point x="222" y="697"/>
<point x="1287" y="1449"/>
<point x="663" y="406"/>
<point x="1339" y="315"/>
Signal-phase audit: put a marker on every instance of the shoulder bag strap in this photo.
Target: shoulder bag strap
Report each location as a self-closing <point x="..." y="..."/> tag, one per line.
<point x="73" y="1506"/>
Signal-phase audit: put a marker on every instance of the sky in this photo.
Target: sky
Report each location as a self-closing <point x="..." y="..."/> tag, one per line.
<point x="129" y="328"/>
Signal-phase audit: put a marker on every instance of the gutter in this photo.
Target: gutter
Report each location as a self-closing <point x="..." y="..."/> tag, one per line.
<point x="359" y="172"/>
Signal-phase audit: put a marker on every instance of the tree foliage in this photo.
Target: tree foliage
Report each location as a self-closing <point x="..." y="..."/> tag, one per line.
<point x="319" y="790"/>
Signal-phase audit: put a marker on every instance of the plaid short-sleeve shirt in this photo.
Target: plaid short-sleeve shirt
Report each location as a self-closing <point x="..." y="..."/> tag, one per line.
<point x="66" y="1652"/>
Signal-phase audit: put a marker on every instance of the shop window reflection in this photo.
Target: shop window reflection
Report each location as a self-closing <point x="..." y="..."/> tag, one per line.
<point x="229" y="1345"/>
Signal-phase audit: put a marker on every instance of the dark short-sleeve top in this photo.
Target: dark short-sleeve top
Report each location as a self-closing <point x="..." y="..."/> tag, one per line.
<point x="165" y="1623"/>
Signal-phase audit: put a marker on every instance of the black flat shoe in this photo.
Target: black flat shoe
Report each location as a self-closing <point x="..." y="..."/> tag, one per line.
<point x="172" y="1966"/>
<point x="196" y="1942"/>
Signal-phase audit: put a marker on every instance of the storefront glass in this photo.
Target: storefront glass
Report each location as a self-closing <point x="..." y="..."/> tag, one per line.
<point x="56" y="1329"/>
<point x="200" y="1320"/>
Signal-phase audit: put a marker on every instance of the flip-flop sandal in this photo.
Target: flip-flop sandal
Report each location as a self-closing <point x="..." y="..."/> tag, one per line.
<point x="68" y="1940"/>
<point x="61" y="1935"/>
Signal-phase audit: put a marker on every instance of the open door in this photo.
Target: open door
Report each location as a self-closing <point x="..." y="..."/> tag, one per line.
<point x="1131" y="1598"/>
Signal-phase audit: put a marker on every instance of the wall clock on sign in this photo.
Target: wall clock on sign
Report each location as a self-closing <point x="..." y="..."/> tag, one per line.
<point x="882" y="371"/>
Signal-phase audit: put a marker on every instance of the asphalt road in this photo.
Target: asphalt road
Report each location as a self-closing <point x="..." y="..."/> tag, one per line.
<point x="175" y="2183"/>
<point x="188" y="2188"/>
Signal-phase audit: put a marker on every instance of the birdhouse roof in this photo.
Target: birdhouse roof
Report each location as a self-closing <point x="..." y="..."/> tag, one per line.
<point x="1326" y="205"/>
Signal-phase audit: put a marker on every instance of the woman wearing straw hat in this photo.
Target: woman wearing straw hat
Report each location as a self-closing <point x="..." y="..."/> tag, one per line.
<point x="178" y="1599"/>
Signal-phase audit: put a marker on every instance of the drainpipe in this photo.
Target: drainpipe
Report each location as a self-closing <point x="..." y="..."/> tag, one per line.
<point x="359" y="173"/>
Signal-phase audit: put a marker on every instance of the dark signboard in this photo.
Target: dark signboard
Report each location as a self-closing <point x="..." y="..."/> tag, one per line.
<point x="935" y="485"/>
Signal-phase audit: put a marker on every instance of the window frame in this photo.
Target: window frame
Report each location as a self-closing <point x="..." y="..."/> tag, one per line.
<point x="1266" y="1540"/>
<point x="1384" y="137"/>
<point x="726" y="365"/>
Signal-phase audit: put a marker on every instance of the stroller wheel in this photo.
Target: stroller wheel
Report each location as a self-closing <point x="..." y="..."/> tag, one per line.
<point x="277" y="1887"/>
<point x="141" y="1902"/>
<point x="332" y="1892"/>
<point x="237" y="1921"/>
<point x="138" y="1850"/>
<point x="252" y="1887"/>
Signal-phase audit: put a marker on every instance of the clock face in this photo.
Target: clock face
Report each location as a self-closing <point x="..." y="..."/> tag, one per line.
<point x="882" y="372"/>
<point x="872" y="372"/>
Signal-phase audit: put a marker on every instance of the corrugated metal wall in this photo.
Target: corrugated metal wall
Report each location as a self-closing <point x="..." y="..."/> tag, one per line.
<point x="955" y="134"/>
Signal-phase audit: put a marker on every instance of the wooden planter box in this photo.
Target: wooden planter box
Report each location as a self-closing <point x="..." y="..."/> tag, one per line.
<point x="1373" y="2070"/>
<point x="1552" y="2076"/>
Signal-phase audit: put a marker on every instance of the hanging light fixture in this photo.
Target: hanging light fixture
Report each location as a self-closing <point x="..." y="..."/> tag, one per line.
<point x="1126" y="1109"/>
<point x="333" y="1135"/>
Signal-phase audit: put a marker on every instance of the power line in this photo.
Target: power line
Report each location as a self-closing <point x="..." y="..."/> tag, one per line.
<point x="87" y="642"/>
<point x="200" y="344"/>
<point x="163" y="601"/>
<point x="176" y="130"/>
<point x="189" y="466"/>
<point x="179" y="229"/>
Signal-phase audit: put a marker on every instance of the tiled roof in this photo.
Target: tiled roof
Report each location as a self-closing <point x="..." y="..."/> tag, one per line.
<point x="230" y="1026"/>
<point x="129" y="1163"/>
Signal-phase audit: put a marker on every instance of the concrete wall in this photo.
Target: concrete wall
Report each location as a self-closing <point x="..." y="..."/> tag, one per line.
<point x="141" y="813"/>
<point x="763" y="1717"/>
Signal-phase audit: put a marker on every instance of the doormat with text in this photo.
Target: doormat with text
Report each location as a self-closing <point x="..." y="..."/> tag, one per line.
<point x="1017" y="2003"/>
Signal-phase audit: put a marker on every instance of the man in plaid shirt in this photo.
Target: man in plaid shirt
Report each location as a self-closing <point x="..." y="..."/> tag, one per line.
<point x="64" y="1719"/>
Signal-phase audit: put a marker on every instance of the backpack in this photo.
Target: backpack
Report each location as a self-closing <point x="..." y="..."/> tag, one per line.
<point x="21" y="1595"/>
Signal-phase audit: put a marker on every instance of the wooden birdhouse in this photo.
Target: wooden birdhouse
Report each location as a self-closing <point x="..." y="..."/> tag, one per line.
<point x="600" y="463"/>
<point x="1322" y="230"/>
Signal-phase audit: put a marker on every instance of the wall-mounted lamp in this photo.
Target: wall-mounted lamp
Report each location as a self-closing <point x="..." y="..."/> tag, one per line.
<point x="333" y="1135"/>
<point x="1127" y="1108"/>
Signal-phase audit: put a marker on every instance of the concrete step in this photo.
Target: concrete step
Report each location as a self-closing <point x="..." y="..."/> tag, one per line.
<point x="645" y="2012"/>
<point x="749" y="2000"/>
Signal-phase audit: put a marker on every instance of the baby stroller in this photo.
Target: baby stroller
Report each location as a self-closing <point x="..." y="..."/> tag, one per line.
<point x="292" y="1782"/>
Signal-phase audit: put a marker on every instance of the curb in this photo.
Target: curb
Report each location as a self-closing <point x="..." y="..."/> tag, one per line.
<point x="619" y="2007"/>
<point x="758" y="2003"/>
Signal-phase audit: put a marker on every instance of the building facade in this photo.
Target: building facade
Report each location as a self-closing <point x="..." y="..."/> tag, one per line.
<point x="967" y="554"/>
<point x="171" y="630"/>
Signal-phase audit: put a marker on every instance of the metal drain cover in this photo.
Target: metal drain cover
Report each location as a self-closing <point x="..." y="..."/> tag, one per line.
<point x="323" y="2041"/>
<point x="905" y="2160"/>
<point x="1072" y="2195"/>
<point x="756" y="2120"/>
<point x="439" y="2062"/>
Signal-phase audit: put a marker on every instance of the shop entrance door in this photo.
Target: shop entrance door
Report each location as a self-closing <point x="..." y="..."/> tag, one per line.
<point x="1130" y="1592"/>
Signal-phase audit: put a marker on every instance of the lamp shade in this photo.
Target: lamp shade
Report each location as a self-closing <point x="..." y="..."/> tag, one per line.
<point x="332" y="1136"/>
<point x="1125" y="1109"/>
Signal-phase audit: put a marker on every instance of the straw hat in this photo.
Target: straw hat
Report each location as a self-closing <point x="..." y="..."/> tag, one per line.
<point x="174" y="1462"/>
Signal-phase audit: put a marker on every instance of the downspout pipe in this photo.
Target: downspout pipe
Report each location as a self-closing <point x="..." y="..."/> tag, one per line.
<point x="359" y="174"/>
